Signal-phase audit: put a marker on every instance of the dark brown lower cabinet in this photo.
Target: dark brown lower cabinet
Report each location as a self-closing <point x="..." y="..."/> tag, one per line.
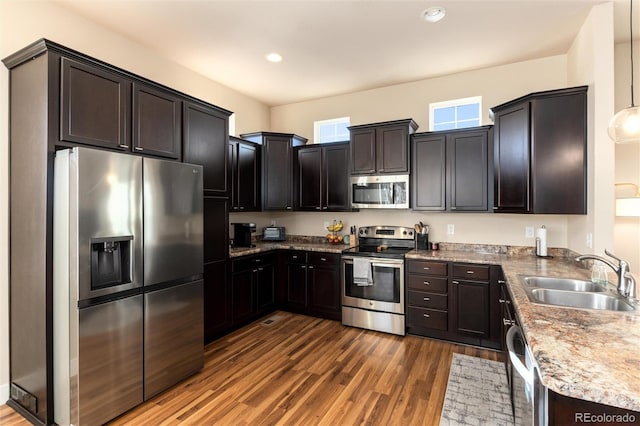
<point x="454" y="301"/>
<point x="567" y="411"/>
<point x="313" y="284"/>
<point x="217" y="300"/>
<point x="253" y="287"/>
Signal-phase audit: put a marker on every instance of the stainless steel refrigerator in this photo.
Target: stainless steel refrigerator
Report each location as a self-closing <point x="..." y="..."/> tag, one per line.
<point x="128" y="296"/>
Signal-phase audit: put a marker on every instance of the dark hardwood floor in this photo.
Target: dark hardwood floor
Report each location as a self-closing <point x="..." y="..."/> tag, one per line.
<point x="300" y="370"/>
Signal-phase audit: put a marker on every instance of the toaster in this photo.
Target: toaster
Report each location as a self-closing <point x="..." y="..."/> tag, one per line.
<point x="273" y="233"/>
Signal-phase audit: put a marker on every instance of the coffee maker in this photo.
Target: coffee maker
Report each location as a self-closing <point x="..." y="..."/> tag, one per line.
<point x="242" y="234"/>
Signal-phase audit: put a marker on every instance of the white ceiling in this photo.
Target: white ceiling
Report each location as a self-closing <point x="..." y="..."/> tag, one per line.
<point x="333" y="47"/>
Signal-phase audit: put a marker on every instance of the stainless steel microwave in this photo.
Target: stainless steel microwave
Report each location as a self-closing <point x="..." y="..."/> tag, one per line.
<point x="380" y="192"/>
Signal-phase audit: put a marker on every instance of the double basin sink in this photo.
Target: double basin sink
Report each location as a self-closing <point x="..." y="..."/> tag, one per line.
<point x="573" y="293"/>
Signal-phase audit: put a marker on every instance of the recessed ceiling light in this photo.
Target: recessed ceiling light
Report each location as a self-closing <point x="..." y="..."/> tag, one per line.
<point x="273" y="57"/>
<point x="433" y="14"/>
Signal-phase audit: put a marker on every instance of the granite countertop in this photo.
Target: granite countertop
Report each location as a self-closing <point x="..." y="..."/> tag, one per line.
<point x="262" y="247"/>
<point x="586" y="354"/>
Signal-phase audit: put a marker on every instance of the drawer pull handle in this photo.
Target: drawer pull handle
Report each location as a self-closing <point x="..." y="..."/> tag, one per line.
<point x="501" y="281"/>
<point x="508" y="322"/>
<point x="426" y="283"/>
<point x="294" y="257"/>
<point x="470" y="272"/>
<point x="138" y="148"/>
<point x="426" y="315"/>
<point x="455" y="282"/>
<point x="260" y="269"/>
<point x="426" y="299"/>
<point x="323" y="259"/>
<point x="122" y="145"/>
<point x="504" y="301"/>
<point x="310" y="267"/>
<point x="426" y="268"/>
<point x="303" y="266"/>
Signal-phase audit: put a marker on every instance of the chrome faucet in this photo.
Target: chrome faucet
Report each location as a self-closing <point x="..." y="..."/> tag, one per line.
<point x="626" y="281"/>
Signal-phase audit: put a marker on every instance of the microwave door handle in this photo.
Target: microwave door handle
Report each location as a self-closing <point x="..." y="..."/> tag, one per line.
<point x="521" y="369"/>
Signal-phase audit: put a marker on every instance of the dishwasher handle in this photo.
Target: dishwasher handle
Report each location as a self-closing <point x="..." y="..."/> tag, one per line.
<point x="521" y="369"/>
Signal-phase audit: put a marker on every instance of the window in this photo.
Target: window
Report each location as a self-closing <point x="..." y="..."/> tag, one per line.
<point x="455" y="114"/>
<point x="333" y="130"/>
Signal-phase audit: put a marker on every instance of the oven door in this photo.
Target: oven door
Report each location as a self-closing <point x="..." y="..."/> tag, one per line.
<point x="386" y="294"/>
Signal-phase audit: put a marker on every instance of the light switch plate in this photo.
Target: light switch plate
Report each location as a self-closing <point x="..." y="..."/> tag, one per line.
<point x="528" y="232"/>
<point x="451" y="229"/>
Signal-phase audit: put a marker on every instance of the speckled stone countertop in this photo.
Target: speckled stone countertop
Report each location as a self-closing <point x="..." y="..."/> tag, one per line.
<point x="262" y="247"/>
<point x="587" y="354"/>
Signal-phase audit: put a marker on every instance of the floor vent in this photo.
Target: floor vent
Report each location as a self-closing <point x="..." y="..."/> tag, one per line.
<point x="271" y="320"/>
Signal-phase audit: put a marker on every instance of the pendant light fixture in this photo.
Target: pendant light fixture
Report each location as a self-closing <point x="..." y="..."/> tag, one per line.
<point x="624" y="127"/>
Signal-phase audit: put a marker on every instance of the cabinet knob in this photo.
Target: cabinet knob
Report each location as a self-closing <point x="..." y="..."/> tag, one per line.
<point x="426" y="299"/>
<point x="426" y="315"/>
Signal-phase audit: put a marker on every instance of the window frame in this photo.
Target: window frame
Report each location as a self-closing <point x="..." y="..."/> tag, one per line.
<point x="471" y="100"/>
<point x="318" y="123"/>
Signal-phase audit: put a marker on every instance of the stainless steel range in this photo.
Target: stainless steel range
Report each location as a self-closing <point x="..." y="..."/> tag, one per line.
<point x="373" y="279"/>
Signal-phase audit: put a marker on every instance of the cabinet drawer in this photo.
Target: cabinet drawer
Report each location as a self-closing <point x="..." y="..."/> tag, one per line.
<point x="470" y="272"/>
<point x="427" y="267"/>
<point x="427" y="300"/>
<point x="251" y="262"/>
<point x="427" y="318"/>
<point x="297" y="256"/>
<point x="424" y="283"/>
<point x="317" y="258"/>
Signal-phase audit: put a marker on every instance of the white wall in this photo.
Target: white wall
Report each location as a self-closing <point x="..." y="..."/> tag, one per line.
<point x="23" y="22"/>
<point x="627" y="229"/>
<point x="590" y="61"/>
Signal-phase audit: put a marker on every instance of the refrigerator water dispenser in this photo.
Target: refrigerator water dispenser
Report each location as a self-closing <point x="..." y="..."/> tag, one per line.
<point x="110" y="261"/>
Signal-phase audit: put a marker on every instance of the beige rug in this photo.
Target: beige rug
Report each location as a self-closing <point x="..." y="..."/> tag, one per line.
<point x="477" y="393"/>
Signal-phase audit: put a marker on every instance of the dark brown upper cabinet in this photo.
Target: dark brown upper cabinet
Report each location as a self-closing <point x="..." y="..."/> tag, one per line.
<point x="157" y="122"/>
<point x="94" y="106"/>
<point x="277" y="167"/>
<point x="244" y="160"/>
<point x="450" y="170"/>
<point x="322" y="177"/>
<point x="381" y="147"/>
<point x="205" y="141"/>
<point x="540" y="153"/>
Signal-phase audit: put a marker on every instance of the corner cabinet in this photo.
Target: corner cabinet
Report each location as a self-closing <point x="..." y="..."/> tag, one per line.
<point x="277" y="167"/>
<point x="539" y="141"/>
<point x="244" y="161"/>
<point x="381" y="147"/>
<point x="450" y="170"/>
<point x="322" y="177"/>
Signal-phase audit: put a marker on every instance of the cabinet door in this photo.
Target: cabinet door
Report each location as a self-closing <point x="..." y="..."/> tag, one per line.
<point x="511" y="159"/>
<point x="559" y="132"/>
<point x="248" y="177"/>
<point x="392" y="146"/>
<point x="205" y="142"/>
<point x="217" y="300"/>
<point x="336" y="177"/>
<point x="309" y="163"/>
<point x="242" y="295"/>
<point x="157" y="122"/>
<point x="428" y="172"/>
<point x="324" y="291"/>
<point x="277" y="160"/>
<point x="216" y="229"/>
<point x="265" y="288"/>
<point x="363" y="151"/>
<point x="470" y="308"/>
<point x="297" y="287"/>
<point x="95" y="106"/>
<point x="467" y="155"/>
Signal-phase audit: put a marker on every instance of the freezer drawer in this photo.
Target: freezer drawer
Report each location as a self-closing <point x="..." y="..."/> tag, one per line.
<point x="173" y="336"/>
<point x="110" y="374"/>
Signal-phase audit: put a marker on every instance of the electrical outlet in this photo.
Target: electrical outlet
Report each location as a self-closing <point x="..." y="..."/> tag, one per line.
<point x="326" y="225"/>
<point x="589" y="240"/>
<point x="273" y="222"/>
<point x="451" y="229"/>
<point x="528" y="232"/>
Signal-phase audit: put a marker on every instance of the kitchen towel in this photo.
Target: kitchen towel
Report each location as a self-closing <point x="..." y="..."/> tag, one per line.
<point x="362" y="272"/>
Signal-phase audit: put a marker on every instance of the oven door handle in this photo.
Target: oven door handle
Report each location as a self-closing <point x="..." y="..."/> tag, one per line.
<point x="386" y="265"/>
<point x="522" y="369"/>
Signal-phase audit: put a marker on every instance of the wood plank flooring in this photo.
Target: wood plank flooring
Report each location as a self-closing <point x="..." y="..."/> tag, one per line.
<point x="300" y="370"/>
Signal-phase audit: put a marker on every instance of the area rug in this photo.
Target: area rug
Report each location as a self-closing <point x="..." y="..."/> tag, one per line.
<point x="477" y="393"/>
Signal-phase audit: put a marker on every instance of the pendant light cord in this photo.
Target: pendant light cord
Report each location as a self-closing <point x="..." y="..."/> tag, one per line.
<point x="631" y="43"/>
